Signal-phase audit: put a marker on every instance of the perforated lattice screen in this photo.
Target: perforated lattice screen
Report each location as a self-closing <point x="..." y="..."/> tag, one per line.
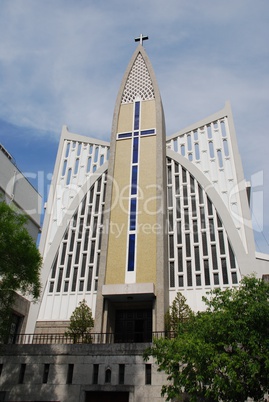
<point x="138" y="83"/>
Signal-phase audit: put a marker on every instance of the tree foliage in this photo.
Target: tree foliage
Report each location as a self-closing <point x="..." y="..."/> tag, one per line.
<point x="81" y="323"/>
<point x="179" y="312"/>
<point x="222" y="353"/>
<point x="20" y="262"/>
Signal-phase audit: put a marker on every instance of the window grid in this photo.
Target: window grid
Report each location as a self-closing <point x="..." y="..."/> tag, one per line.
<point x="80" y="160"/>
<point x="76" y="270"/>
<point x="199" y="249"/>
<point x="211" y="148"/>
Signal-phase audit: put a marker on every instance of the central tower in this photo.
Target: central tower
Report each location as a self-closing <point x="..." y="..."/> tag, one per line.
<point x="133" y="294"/>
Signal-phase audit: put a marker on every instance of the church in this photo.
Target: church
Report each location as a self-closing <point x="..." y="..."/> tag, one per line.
<point x="130" y="223"/>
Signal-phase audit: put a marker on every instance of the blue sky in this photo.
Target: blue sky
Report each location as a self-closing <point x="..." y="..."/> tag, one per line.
<point x="62" y="61"/>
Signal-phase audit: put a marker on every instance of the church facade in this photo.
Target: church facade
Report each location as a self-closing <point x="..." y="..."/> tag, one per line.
<point x="132" y="222"/>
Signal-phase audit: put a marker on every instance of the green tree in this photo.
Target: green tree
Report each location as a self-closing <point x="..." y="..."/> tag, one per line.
<point x="20" y="263"/>
<point x="179" y="312"/>
<point x="222" y="353"/>
<point x="81" y="323"/>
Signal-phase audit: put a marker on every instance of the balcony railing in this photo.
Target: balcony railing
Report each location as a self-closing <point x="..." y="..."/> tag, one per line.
<point x="88" y="338"/>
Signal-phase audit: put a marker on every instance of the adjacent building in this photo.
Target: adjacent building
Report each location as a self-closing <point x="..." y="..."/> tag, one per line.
<point x="15" y="189"/>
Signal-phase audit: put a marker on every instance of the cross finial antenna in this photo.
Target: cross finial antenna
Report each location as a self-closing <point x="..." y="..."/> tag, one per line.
<point x="141" y="38"/>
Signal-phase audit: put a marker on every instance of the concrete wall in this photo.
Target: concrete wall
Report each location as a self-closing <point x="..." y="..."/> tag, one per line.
<point x="83" y="357"/>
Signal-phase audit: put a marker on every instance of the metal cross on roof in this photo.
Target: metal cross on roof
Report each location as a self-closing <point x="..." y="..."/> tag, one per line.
<point x="141" y="38"/>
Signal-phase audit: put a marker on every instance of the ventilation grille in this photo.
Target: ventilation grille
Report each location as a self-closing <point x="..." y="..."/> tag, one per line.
<point x="138" y="83"/>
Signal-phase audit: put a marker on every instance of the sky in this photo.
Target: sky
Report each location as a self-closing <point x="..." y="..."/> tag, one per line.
<point x="62" y="61"/>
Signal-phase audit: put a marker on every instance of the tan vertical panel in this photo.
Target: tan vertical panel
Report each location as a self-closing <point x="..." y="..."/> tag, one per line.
<point x="148" y="115"/>
<point x="147" y="218"/>
<point x="118" y="225"/>
<point x="125" y="121"/>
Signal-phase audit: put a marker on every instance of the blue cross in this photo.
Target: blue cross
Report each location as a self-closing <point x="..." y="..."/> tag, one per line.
<point x="136" y="131"/>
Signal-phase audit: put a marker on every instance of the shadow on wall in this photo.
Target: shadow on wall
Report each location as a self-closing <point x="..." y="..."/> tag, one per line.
<point x="21" y="381"/>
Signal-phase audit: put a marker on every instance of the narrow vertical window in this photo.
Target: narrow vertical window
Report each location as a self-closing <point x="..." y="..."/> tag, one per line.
<point x="89" y="164"/>
<point x="134" y="180"/>
<point x="172" y="274"/>
<point x="204" y="242"/>
<point x="1" y="368"/>
<point x="133" y="214"/>
<point x="180" y="260"/>
<point x="209" y="131"/>
<point x="60" y="277"/>
<point x="81" y="286"/>
<point x="121" y="373"/>
<point x="53" y="273"/>
<point x="95" y="373"/>
<point x="197" y="258"/>
<point x="226" y="148"/>
<point x="76" y="166"/>
<point x="224" y="271"/>
<point x="198" y="280"/>
<point x="212" y="230"/>
<point x="175" y="145"/>
<point x="22" y="373"/>
<point x="221" y="242"/>
<point x="96" y="154"/>
<point x="169" y="174"/>
<point x="177" y="184"/>
<point x="234" y="278"/>
<point x="171" y="246"/>
<point x="64" y="167"/>
<point x="148" y="374"/>
<point x="188" y="245"/>
<point x="137" y="115"/>
<point x="131" y="253"/>
<point x="216" y="278"/>
<point x="202" y="217"/>
<point x="79" y="149"/>
<point x="232" y="257"/>
<point x="197" y="152"/>
<point x="135" y="149"/>
<point x="180" y="281"/>
<point x="179" y="233"/>
<point x="189" y="142"/>
<point x="68" y="269"/>
<point x="193" y="205"/>
<point x="206" y="271"/>
<point x="209" y="207"/>
<point x="108" y="376"/>
<point x="211" y="149"/>
<point x="46" y="373"/>
<point x="220" y="158"/>
<point x="189" y="273"/>
<point x="74" y="282"/>
<point x="68" y="177"/>
<point x="77" y="253"/>
<point x="67" y="149"/>
<point x="63" y="253"/>
<point x="70" y="371"/>
<point x="89" y="283"/>
<point x="214" y="256"/>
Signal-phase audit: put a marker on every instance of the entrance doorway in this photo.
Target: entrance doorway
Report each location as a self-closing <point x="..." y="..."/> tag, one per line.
<point x="97" y="396"/>
<point x="133" y="326"/>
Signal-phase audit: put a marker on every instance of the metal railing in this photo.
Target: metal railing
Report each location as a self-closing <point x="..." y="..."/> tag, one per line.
<point x="87" y="338"/>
